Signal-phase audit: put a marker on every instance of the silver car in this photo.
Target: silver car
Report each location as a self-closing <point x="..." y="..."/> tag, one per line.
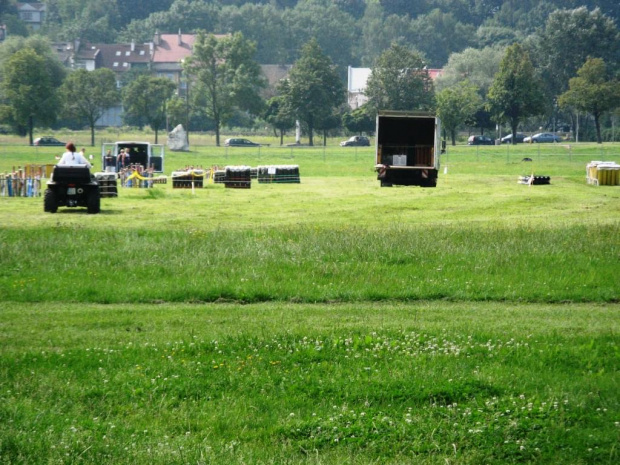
<point x="542" y="137"/>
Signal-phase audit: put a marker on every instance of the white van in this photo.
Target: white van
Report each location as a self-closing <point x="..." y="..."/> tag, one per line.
<point x="142" y="153"/>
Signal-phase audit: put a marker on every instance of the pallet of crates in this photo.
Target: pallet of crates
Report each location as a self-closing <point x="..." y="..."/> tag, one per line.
<point x="107" y="184"/>
<point x="238" y="177"/>
<point x="278" y="174"/>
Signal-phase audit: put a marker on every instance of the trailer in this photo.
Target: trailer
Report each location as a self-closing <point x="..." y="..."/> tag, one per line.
<point x="408" y="148"/>
<point x="140" y="153"/>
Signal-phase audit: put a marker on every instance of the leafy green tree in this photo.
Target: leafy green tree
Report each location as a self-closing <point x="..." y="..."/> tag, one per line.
<point x="226" y="77"/>
<point x="592" y="91"/>
<point x="354" y="7"/>
<point x="147" y="97"/>
<point x="399" y="81"/>
<point x="568" y="39"/>
<point x="41" y="47"/>
<point x="328" y="123"/>
<point x="437" y="34"/>
<point x="278" y="117"/>
<point x="92" y="21"/>
<point x="379" y="31"/>
<point x="140" y="9"/>
<point x="314" y="88"/>
<point x="478" y="66"/>
<point x="189" y="16"/>
<point x="30" y="90"/>
<point x="456" y="105"/>
<point x="321" y="20"/>
<point x="405" y="7"/>
<point x="263" y="24"/>
<point x="88" y="94"/>
<point x="515" y="93"/>
<point x="359" y="120"/>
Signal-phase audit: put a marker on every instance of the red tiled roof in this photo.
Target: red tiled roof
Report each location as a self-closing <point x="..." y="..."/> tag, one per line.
<point x="170" y="51"/>
<point x="434" y="73"/>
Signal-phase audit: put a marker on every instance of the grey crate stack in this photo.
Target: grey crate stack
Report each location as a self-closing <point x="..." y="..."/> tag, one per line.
<point x="187" y="179"/>
<point x="238" y="177"/>
<point x="107" y="184"/>
<point x="278" y="174"/>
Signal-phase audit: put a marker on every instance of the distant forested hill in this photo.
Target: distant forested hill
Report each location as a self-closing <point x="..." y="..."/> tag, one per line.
<point x="351" y="32"/>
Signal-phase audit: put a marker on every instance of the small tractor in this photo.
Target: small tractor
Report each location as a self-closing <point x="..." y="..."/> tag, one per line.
<point x="72" y="186"/>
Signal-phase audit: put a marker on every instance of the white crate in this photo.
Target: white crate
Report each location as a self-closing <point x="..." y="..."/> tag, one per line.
<point x="399" y="160"/>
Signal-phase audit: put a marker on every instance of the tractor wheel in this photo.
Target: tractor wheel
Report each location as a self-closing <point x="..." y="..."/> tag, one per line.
<point x="50" y="204"/>
<point x="93" y="201"/>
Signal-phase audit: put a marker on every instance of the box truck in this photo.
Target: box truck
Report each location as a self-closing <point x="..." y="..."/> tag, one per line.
<point x="408" y="147"/>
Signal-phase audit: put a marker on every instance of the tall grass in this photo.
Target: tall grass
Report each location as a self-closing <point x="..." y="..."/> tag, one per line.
<point x="366" y="383"/>
<point x="312" y="265"/>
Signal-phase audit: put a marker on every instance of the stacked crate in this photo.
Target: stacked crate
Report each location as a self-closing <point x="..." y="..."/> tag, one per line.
<point x="603" y="173"/>
<point x="188" y="179"/>
<point x="278" y="174"/>
<point x="107" y="184"/>
<point x="238" y="177"/>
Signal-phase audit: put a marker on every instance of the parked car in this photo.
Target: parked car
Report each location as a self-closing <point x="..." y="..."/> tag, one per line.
<point x="48" y="140"/>
<point x="236" y="142"/>
<point x="508" y="139"/>
<point x="356" y="141"/>
<point x="542" y="137"/>
<point x="480" y="140"/>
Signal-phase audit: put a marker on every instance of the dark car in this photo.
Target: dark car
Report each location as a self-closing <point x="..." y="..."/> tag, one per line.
<point x="508" y="139"/>
<point x="236" y="142"/>
<point x="480" y="140"/>
<point x="356" y="141"/>
<point x="48" y="140"/>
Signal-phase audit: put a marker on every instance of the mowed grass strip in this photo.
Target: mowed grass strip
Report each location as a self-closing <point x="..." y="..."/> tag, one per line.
<point x="429" y="382"/>
<point x="574" y="263"/>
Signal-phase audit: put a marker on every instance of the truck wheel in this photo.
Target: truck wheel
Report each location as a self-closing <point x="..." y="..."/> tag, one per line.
<point x="93" y="201"/>
<point x="386" y="184"/>
<point x="50" y="204"/>
<point x="429" y="182"/>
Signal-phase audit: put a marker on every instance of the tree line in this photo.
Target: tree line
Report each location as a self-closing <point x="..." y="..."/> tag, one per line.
<point x="543" y="77"/>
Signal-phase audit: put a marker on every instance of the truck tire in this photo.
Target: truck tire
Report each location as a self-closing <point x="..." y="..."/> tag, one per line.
<point x="430" y="182"/>
<point x="50" y="204"/>
<point x="386" y="184"/>
<point x="93" y="201"/>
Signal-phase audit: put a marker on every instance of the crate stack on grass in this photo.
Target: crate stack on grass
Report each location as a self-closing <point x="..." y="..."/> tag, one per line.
<point x="107" y="184"/>
<point x="238" y="177"/>
<point x="278" y="174"/>
<point x="603" y="173"/>
<point x="188" y="178"/>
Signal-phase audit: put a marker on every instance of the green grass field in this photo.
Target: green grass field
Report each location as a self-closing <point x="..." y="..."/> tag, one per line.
<point x="326" y="322"/>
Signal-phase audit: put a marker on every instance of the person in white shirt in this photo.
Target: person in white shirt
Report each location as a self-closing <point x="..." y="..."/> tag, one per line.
<point x="71" y="157"/>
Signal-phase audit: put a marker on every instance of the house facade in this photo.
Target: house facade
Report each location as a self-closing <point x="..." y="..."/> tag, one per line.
<point x="32" y="13"/>
<point x="356" y="84"/>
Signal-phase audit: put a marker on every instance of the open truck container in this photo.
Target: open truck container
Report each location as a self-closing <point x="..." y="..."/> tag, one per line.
<point x="143" y="153"/>
<point x="408" y="148"/>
